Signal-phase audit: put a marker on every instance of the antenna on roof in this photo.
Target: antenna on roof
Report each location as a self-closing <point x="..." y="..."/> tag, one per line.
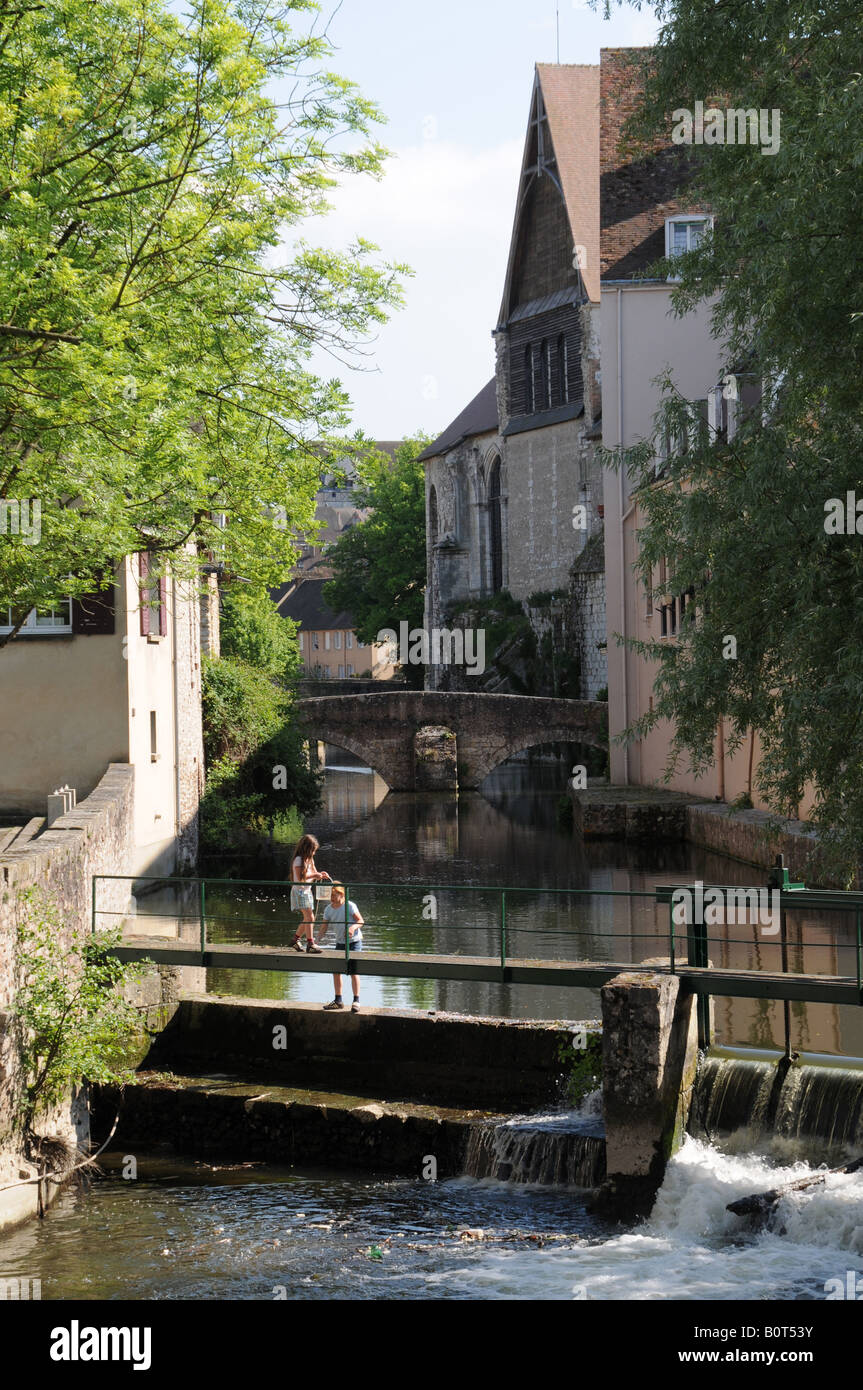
<point x="557" y="16"/>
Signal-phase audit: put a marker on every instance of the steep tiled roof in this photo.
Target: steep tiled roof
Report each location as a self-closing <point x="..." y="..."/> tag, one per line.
<point x="571" y="95"/>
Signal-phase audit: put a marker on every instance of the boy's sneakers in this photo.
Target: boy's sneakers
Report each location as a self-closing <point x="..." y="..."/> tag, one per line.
<point x="355" y="1007"/>
<point x="334" y="1004"/>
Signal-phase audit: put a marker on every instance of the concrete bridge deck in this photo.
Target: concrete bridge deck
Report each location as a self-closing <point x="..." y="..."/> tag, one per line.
<point x="825" y="989"/>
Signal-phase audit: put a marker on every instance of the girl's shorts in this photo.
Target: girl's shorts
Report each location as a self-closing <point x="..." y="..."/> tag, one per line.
<point x="302" y="898"/>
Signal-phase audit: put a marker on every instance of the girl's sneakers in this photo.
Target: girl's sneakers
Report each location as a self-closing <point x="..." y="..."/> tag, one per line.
<point x="297" y="944"/>
<point x="313" y="950"/>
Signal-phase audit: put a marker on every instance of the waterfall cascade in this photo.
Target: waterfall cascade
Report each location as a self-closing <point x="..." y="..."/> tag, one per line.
<point x="563" y="1148"/>
<point x="820" y="1108"/>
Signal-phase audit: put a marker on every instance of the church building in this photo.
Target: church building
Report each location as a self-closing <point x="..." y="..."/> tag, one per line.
<point x="513" y="485"/>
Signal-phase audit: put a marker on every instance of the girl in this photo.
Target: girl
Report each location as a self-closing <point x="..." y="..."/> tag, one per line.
<point x="304" y="873"/>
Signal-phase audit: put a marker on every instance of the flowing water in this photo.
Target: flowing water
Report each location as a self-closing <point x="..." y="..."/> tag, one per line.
<point x="516" y="1226"/>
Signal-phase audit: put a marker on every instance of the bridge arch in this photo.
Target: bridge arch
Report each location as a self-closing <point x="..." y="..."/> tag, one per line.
<point x="380" y="729"/>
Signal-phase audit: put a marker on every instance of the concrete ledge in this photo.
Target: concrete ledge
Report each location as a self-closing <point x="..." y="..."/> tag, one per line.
<point x="242" y="1121"/>
<point x="630" y="813"/>
<point x="495" y="1064"/>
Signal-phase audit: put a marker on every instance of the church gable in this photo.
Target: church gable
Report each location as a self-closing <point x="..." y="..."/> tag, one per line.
<point x="554" y="245"/>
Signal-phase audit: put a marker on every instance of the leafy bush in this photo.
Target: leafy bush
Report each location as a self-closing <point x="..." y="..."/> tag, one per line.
<point x="253" y="631"/>
<point x="73" y="1022"/>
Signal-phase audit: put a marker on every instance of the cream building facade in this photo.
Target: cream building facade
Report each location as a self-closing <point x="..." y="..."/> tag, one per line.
<point x="112" y="678"/>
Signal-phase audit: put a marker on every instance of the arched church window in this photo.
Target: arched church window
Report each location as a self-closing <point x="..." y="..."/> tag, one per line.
<point x="495" y="529"/>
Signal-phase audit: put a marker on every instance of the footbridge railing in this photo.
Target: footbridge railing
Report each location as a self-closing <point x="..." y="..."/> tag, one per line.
<point x="787" y="943"/>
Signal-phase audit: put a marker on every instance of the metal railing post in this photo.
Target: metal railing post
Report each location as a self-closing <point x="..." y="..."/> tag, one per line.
<point x="202" y="906"/>
<point x="93" y="914"/>
<point x="859" y="959"/>
<point x="502" y="933"/>
<point x="672" y="963"/>
<point x="347" y="927"/>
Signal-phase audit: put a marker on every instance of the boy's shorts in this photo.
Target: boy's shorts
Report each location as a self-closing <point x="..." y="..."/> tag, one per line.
<point x="355" y="946"/>
<point x="302" y="898"/>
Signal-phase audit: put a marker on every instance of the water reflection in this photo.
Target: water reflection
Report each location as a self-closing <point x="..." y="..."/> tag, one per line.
<point x="507" y="836"/>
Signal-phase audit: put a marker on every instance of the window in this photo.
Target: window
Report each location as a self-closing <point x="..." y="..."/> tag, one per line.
<point x="341" y="673"/>
<point x="350" y="670"/>
<point x="152" y="595"/>
<point x="349" y="640"/>
<point x="359" y="643"/>
<point x="544" y="400"/>
<point x="529" y="386"/>
<point x="684" y="234"/>
<point x="154" y="741"/>
<point x="326" y="641"/>
<point x="56" y="618"/>
<point x="495" y="528"/>
<point x="562" y="370"/>
<point x="679" y="439"/>
<point x="337" y="641"/>
<point x="316" y="641"/>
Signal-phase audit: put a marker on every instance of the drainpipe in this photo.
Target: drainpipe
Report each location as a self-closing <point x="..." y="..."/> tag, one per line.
<point x="177" y="786"/>
<point x="721" y="759"/>
<point x="623" y="515"/>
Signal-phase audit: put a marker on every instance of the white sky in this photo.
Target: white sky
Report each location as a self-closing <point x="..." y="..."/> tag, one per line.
<point x="454" y="79"/>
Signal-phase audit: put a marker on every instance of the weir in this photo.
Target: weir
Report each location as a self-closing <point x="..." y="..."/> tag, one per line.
<point x="339" y="1075"/>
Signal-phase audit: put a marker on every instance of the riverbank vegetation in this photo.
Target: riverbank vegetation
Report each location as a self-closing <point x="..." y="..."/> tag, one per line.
<point x="72" y="1022"/>
<point x="258" y="782"/>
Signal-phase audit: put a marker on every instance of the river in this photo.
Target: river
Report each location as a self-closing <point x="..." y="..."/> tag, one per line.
<point x="185" y="1230"/>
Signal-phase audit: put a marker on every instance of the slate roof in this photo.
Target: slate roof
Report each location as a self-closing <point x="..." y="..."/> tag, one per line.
<point x="304" y="602"/>
<point x="479" y="417"/>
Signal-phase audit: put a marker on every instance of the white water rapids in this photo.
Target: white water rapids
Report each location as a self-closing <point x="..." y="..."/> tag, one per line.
<point x="691" y="1247"/>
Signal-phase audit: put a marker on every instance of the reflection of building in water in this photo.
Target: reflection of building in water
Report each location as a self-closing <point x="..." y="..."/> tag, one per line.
<point x="348" y="796"/>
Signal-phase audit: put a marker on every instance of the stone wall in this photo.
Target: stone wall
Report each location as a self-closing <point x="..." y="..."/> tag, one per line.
<point x="96" y="838"/>
<point x="753" y="837"/>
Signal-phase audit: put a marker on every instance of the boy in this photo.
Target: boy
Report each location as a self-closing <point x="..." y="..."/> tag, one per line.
<point x="335" y="914"/>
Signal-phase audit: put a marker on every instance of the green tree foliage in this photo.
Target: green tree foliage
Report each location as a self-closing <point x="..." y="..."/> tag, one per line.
<point x="73" y="1022"/>
<point x="257" y="773"/>
<point x="159" y="307"/>
<point x="380" y="565"/>
<point x="746" y="522"/>
<point x="252" y="630"/>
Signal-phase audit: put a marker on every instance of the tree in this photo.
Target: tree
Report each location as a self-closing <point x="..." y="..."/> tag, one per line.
<point x="258" y="774"/>
<point x="380" y="564"/>
<point x="253" y="630"/>
<point x="155" y="330"/>
<point x="751" y="524"/>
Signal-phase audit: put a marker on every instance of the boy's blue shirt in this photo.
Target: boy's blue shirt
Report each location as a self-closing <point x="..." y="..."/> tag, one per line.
<point x="335" y="916"/>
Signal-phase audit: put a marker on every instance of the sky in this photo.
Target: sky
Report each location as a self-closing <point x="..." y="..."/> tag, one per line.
<point x="454" y="79"/>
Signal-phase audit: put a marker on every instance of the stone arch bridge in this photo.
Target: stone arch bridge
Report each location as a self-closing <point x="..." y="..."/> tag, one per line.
<point x="435" y="739"/>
